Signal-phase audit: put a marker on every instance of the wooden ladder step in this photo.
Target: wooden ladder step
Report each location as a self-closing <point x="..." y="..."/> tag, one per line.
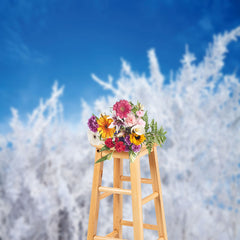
<point x="112" y="234"/>
<point x="145" y="225"/>
<point x="113" y="190"/>
<point x="149" y="197"/>
<point x="107" y="238"/>
<point x="104" y="195"/>
<point x="143" y="180"/>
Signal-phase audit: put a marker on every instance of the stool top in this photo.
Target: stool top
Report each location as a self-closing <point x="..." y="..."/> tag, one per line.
<point x="124" y="155"/>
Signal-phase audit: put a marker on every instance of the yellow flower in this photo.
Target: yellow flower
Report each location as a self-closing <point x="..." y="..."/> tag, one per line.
<point x="104" y="122"/>
<point x="137" y="139"/>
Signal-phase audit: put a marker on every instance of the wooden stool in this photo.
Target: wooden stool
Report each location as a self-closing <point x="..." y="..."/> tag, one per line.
<point x="135" y="192"/>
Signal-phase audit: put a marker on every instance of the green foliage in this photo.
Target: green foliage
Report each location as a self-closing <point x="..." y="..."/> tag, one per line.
<point x="106" y="157"/>
<point x="132" y="105"/>
<point x="145" y="118"/>
<point x="95" y="116"/>
<point x="136" y="107"/>
<point x="155" y="135"/>
<point x="149" y="141"/>
<point x="132" y="155"/>
<point x="104" y="148"/>
<point x="160" y="136"/>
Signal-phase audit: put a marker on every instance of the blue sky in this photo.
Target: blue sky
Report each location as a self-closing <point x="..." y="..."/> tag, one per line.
<point x="46" y="40"/>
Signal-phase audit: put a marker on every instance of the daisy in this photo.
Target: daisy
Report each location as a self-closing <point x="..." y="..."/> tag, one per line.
<point x="94" y="138"/>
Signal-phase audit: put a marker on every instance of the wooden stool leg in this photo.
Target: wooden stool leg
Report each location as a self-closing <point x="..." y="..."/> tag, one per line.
<point x="156" y="184"/>
<point x="94" y="206"/>
<point x="136" y="199"/>
<point x="117" y="198"/>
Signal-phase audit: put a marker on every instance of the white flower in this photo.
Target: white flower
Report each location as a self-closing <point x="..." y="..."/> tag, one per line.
<point x="120" y="134"/>
<point x="141" y="107"/>
<point x="94" y="138"/>
<point x="138" y="129"/>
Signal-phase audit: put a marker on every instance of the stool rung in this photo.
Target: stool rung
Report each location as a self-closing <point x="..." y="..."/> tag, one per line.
<point x="112" y="234"/>
<point x="104" y="195"/>
<point x="145" y="225"/>
<point x="115" y="190"/>
<point x="149" y="197"/>
<point x="161" y="238"/>
<point x="143" y="180"/>
<point x="107" y="238"/>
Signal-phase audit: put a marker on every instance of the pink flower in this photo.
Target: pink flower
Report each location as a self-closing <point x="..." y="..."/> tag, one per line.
<point x="141" y="122"/>
<point x="130" y="120"/>
<point x="122" y="108"/>
<point x="140" y="113"/>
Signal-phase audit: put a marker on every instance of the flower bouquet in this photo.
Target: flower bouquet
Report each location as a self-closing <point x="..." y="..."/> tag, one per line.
<point x="125" y="131"/>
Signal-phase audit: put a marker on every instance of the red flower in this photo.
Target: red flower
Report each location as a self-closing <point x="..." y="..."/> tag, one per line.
<point x="109" y="143"/>
<point x="120" y="147"/>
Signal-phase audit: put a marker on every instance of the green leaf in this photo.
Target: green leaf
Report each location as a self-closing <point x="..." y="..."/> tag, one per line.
<point x="152" y="125"/>
<point x="158" y="140"/>
<point x="134" y="109"/>
<point x="109" y="156"/>
<point x="95" y="116"/>
<point x="155" y="127"/>
<point x="106" y="157"/>
<point x="104" y="148"/>
<point x="145" y="118"/>
<point x="132" y="156"/>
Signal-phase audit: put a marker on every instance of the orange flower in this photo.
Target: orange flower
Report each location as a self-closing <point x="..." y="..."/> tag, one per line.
<point x="104" y="122"/>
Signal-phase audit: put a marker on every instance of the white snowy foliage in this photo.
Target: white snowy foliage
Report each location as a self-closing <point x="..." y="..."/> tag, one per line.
<point x="46" y="168"/>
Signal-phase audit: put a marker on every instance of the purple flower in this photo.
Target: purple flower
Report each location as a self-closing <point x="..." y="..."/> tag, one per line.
<point x="136" y="148"/>
<point x="92" y="124"/>
<point x="117" y="121"/>
<point x="126" y="148"/>
<point x="127" y="140"/>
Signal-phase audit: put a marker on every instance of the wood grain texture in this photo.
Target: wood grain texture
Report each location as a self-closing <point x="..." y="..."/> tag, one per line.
<point x="135" y="192"/>
<point x="145" y="225"/>
<point x="104" y="195"/>
<point x="95" y="198"/>
<point x="136" y="199"/>
<point x="159" y="209"/>
<point x="149" y="198"/>
<point x="115" y="190"/>
<point x="143" y="180"/>
<point x="107" y="238"/>
<point x="112" y="234"/>
<point x="117" y="198"/>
